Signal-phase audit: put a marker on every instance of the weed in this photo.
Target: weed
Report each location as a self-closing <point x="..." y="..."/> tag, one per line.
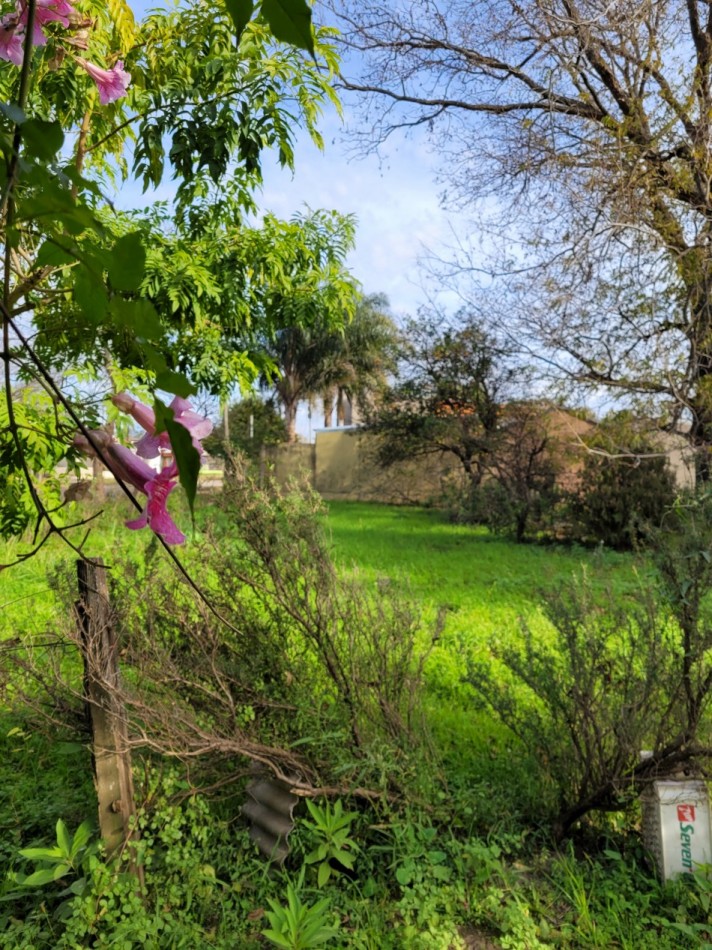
<point x="331" y="829"/>
<point x="297" y="925"/>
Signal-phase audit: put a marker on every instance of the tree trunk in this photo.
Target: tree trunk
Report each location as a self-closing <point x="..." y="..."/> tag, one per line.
<point x="328" y="401"/>
<point x="348" y="410"/>
<point x="522" y="518"/>
<point x="290" y="420"/>
<point x="695" y="268"/>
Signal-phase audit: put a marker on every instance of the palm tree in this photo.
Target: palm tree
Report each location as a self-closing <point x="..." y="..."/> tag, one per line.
<point x="303" y="358"/>
<point x="306" y="297"/>
<point x="362" y="360"/>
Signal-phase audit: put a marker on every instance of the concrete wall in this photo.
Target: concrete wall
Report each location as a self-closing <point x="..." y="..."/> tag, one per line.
<point x="285" y="462"/>
<point x="681" y="458"/>
<point x="344" y="468"/>
<point x="340" y="465"/>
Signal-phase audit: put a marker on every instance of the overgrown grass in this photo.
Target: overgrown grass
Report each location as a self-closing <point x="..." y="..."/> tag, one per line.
<point x="487" y="587"/>
<point x="469" y="862"/>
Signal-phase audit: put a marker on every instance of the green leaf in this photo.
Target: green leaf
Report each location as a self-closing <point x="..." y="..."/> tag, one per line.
<point x="128" y="262"/>
<point x="139" y="316"/>
<point x="277" y="939"/>
<point x="175" y="383"/>
<point x="61" y="870"/>
<point x="69" y="748"/>
<point x="343" y="857"/>
<point x="41" y="877"/>
<point x="81" y="837"/>
<point x="404" y="875"/>
<point x="53" y="254"/>
<point x="41" y="854"/>
<point x="42" y="139"/>
<point x="90" y="294"/>
<point x="240" y="13"/>
<point x="290" y="21"/>
<point x="64" y="842"/>
<point x="77" y="887"/>
<point x="324" y="874"/>
<point x="184" y="452"/>
<point x="436" y="857"/>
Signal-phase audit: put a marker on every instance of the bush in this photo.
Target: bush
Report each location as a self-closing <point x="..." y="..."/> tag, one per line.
<point x="283" y="661"/>
<point x="493" y="505"/>
<point x="587" y="701"/>
<point x="625" y="487"/>
<point x="615" y="679"/>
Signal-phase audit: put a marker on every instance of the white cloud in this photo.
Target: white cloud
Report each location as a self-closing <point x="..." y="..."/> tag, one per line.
<point x="395" y="201"/>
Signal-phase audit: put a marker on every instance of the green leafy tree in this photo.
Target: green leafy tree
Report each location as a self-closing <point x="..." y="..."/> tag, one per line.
<point x="209" y="92"/>
<point x="251" y="423"/>
<point x="447" y="399"/>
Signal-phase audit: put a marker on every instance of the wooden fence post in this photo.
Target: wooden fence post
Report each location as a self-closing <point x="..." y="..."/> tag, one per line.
<point x="111" y="753"/>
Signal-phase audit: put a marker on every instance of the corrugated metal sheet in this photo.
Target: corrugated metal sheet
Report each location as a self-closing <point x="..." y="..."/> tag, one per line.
<point x="270" y="808"/>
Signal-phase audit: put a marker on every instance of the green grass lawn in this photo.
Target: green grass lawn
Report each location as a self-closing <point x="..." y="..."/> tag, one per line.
<point x="483" y="869"/>
<point x="487" y="585"/>
<point x="487" y="581"/>
<point x="457" y="565"/>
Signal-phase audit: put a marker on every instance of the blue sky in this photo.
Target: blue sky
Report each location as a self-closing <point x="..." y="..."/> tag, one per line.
<point x="393" y="195"/>
<point x="394" y="198"/>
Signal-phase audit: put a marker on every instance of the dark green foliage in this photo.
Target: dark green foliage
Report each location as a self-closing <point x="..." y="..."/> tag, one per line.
<point x="513" y="510"/>
<point x="447" y="402"/>
<point x="616" y="678"/>
<point x="626" y="485"/>
<point x="681" y="548"/>
<point x="251" y="424"/>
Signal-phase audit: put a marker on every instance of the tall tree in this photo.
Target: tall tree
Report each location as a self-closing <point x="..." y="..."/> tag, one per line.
<point x="305" y="296"/>
<point x="591" y="124"/>
<point x="448" y="397"/>
<point x="364" y="356"/>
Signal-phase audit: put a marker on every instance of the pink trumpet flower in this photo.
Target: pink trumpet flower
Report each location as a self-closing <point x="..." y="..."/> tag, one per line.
<point x="11" y="45"/>
<point x="46" y="11"/>
<point x="111" y="83"/>
<point x="150" y="445"/>
<point x="157" y="486"/>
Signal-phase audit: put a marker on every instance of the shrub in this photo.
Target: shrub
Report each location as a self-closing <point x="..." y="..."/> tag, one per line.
<point x="283" y="661"/>
<point x="616" y="677"/>
<point x="625" y="486"/>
